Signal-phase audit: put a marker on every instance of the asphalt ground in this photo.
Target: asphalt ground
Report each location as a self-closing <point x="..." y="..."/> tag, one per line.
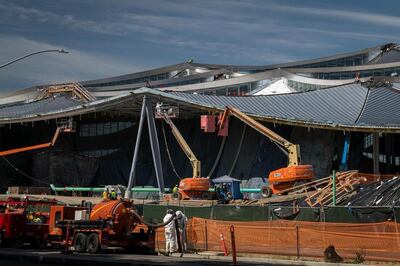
<point x="31" y="257"/>
<point x="28" y="257"/>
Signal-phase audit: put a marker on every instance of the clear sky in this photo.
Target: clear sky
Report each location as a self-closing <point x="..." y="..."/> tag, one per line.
<point x="107" y="38"/>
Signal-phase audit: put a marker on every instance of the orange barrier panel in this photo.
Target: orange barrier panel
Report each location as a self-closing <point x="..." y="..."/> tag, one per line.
<point x="376" y="241"/>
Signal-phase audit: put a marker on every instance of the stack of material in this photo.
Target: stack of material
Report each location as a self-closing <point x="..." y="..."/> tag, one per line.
<point x="384" y="193"/>
<point x="320" y="192"/>
<point x="346" y="183"/>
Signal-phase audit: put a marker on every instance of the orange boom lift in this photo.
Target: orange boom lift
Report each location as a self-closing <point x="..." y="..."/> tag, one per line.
<point x="195" y="187"/>
<point x="283" y="178"/>
<point x="62" y="126"/>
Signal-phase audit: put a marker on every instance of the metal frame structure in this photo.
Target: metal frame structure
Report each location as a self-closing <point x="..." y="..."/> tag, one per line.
<point x="146" y="111"/>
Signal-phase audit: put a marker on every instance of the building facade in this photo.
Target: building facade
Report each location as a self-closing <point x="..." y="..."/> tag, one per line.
<point x="343" y="110"/>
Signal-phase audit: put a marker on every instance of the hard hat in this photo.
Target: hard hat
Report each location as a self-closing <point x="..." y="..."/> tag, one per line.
<point x="179" y="214"/>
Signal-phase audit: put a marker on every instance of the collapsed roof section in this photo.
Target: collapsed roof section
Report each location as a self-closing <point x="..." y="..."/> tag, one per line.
<point x="348" y="107"/>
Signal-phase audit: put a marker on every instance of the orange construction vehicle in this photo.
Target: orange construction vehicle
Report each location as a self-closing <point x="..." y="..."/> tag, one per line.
<point x="195" y="187"/>
<point x="283" y="178"/>
<point x="111" y="223"/>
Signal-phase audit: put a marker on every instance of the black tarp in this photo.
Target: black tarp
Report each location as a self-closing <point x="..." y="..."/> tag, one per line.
<point x="383" y="193"/>
<point x="70" y="162"/>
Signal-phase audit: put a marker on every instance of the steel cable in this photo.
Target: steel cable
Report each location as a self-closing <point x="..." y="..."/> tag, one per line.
<point x="24" y="174"/>
<point x="169" y="154"/>
<point x="238" y="150"/>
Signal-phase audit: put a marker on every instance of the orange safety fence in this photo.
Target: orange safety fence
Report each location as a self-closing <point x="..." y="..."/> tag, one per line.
<point x="375" y="241"/>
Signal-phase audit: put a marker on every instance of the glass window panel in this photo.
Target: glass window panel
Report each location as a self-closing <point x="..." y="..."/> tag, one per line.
<point x="243" y="90"/>
<point x="92" y="130"/>
<point x="366" y="73"/>
<point x="210" y="92"/>
<point x="114" y="127"/>
<point x="121" y="126"/>
<point x="334" y="75"/>
<point x="349" y="62"/>
<point x="100" y="129"/>
<point x="232" y="91"/>
<point x="221" y="91"/>
<point x="84" y="130"/>
<point x="107" y="128"/>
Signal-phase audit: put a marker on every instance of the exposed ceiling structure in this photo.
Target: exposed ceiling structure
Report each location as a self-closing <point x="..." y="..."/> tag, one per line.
<point x="348" y="107"/>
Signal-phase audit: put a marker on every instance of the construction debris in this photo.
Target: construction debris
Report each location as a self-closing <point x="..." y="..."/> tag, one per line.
<point x="76" y="90"/>
<point x="383" y="193"/>
<point x="345" y="183"/>
<point x="320" y="192"/>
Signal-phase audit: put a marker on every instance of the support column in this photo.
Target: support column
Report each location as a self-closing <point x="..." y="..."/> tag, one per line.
<point x="388" y="153"/>
<point x="345" y="155"/>
<point x="155" y="148"/>
<point x="132" y="181"/>
<point x="375" y="153"/>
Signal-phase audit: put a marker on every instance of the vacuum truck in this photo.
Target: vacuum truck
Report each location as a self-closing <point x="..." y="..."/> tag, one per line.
<point x="111" y="223"/>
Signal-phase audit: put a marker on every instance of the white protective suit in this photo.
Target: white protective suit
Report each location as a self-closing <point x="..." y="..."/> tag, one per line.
<point x="170" y="234"/>
<point x="182" y="222"/>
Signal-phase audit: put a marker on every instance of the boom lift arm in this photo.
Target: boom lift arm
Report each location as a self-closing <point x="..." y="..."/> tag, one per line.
<point x="292" y="150"/>
<point x="282" y="178"/>
<point x="196" y="164"/>
<point x="64" y="126"/>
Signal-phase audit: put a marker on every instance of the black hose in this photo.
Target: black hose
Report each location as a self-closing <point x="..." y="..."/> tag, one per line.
<point x="151" y="224"/>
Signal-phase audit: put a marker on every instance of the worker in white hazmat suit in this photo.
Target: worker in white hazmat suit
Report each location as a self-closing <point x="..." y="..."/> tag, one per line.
<point x="182" y="222"/>
<point x="170" y="233"/>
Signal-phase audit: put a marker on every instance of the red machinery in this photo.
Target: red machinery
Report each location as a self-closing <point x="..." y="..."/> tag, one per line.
<point x="112" y="223"/>
<point x="24" y="222"/>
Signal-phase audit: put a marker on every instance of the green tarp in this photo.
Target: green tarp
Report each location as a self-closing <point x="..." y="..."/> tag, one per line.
<point x="262" y="213"/>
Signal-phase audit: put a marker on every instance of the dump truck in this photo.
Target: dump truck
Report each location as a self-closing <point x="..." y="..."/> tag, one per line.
<point x="195" y="187"/>
<point x="282" y="178"/>
<point x="111" y="223"/>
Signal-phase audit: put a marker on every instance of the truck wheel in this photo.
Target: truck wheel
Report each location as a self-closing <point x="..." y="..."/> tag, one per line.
<point x="80" y="242"/>
<point x="92" y="243"/>
<point x="266" y="192"/>
<point x="176" y="196"/>
<point x="205" y="196"/>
